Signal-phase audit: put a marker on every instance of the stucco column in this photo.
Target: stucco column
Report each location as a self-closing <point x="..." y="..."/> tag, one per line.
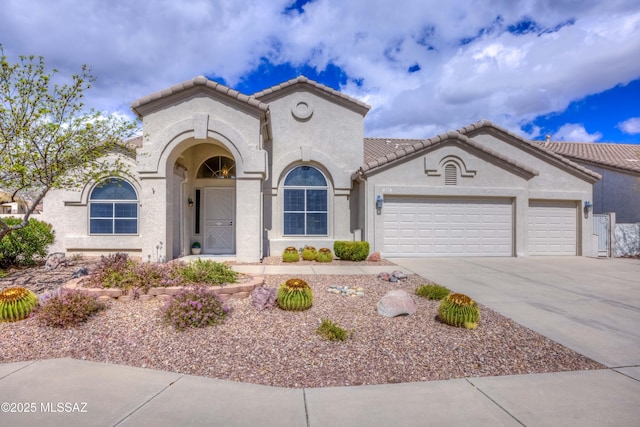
<point x="153" y="220"/>
<point x="248" y="219"/>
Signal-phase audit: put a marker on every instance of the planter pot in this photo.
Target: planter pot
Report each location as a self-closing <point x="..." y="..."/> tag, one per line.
<point x="196" y="251"/>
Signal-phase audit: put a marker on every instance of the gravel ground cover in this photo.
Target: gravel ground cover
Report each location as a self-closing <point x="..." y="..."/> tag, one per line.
<point x="282" y="348"/>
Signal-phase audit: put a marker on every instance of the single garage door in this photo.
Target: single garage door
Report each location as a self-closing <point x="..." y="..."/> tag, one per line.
<point x="447" y="227"/>
<point x="552" y="227"/>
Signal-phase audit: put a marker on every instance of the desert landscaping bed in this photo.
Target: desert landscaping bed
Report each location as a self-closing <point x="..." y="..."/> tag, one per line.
<point x="281" y="348"/>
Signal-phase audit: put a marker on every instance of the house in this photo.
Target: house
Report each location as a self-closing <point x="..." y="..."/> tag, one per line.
<point x="619" y="165"/>
<point x="250" y="175"/>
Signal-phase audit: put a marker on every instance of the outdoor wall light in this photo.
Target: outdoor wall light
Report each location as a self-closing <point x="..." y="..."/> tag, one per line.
<point x="190" y="202"/>
<point x="587" y="206"/>
<point x="379" y="202"/>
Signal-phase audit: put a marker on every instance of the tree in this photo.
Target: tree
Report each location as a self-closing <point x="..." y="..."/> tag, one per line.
<point x="48" y="139"/>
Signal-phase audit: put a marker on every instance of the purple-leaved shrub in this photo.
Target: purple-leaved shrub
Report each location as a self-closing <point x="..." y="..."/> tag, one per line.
<point x="194" y="307"/>
<point x="66" y="307"/>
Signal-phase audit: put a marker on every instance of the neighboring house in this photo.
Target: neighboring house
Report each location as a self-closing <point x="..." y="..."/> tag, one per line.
<point x="619" y="165"/>
<point x="289" y="166"/>
<point x="11" y="206"/>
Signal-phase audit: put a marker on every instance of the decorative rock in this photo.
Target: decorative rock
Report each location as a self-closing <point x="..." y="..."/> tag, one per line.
<point x="104" y="298"/>
<point x="345" y="291"/>
<point x="146" y="297"/>
<point x="264" y="298"/>
<point x="384" y="276"/>
<point x="164" y="297"/>
<point x="54" y="260"/>
<point x="82" y="271"/>
<point x="396" y="303"/>
<point x="374" y="257"/>
<point x="125" y="298"/>
<point x="399" y="275"/>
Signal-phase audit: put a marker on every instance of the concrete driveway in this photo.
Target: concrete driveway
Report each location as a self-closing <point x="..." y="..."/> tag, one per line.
<point x="589" y="305"/>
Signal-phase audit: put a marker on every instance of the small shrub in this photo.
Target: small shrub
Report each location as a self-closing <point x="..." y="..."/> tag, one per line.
<point x="295" y="295"/>
<point x="290" y="254"/>
<point x="67" y="307"/>
<point x="147" y="275"/>
<point x="351" y="251"/>
<point x="309" y="253"/>
<point x="459" y="310"/>
<point x="16" y="304"/>
<point x="432" y="291"/>
<point x="114" y="271"/>
<point x="324" y="255"/>
<point x="331" y="331"/>
<point x="208" y="272"/>
<point x="21" y="246"/>
<point x="194" y="308"/>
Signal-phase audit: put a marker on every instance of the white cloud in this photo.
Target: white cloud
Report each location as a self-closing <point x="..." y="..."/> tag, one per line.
<point x="630" y="126"/>
<point x="574" y="132"/>
<point x="137" y="48"/>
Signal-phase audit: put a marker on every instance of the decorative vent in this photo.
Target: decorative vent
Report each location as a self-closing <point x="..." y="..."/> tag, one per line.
<point x="450" y="175"/>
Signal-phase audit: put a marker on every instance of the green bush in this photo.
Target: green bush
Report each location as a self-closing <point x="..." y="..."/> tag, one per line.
<point x="309" y="253"/>
<point x="21" y="246"/>
<point x="16" y="304"/>
<point x="67" y="307"/>
<point x="290" y="254"/>
<point x="324" y="255"/>
<point x="207" y="272"/>
<point x="331" y="331"/>
<point x="459" y="310"/>
<point x="114" y="271"/>
<point x="351" y="251"/>
<point x="194" y="308"/>
<point x="432" y="291"/>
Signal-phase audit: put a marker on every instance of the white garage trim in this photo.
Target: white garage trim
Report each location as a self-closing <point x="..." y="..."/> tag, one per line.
<point x="443" y="226"/>
<point x="552" y="227"/>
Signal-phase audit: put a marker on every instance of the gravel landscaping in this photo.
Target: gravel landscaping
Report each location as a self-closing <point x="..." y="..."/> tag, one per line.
<point x="281" y="348"/>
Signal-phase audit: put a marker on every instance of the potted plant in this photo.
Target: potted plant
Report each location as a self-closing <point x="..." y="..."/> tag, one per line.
<point x="195" y="248"/>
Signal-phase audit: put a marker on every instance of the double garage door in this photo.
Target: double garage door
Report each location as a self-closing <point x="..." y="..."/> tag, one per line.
<point x="474" y="227"/>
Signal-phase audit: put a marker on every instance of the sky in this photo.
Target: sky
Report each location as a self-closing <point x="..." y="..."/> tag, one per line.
<point x="565" y="68"/>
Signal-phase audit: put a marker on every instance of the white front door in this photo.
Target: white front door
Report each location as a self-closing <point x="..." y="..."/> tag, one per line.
<point x="219" y="215"/>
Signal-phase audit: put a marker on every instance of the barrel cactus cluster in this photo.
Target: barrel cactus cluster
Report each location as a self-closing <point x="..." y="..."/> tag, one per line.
<point x="295" y="295"/>
<point x="309" y="253"/>
<point x="324" y="255"/>
<point x="459" y="310"/>
<point x="16" y="304"/>
<point x="290" y="254"/>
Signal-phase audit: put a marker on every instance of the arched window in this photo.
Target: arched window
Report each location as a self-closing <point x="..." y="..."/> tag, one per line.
<point x="305" y="202"/>
<point x="217" y="167"/>
<point x="113" y="208"/>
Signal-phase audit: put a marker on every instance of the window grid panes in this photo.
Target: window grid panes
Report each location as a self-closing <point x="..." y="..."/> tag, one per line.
<point x="113" y="208"/>
<point x="305" y="202"/>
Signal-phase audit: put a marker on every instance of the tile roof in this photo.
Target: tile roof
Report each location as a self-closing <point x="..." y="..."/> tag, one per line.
<point x="487" y="125"/>
<point x="375" y="148"/>
<point x="619" y="156"/>
<point x="408" y="148"/>
<point x="304" y="80"/>
<point x="199" y="81"/>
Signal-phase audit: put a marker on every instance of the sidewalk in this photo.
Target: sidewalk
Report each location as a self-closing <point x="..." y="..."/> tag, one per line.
<point x="79" y="393"/>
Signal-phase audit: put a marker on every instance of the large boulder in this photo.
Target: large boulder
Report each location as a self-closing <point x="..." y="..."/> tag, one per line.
<point x="264" y="298"/>
<point x="396" y="303"/>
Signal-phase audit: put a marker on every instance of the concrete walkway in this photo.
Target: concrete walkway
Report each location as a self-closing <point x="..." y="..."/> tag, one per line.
<point x="604" y="295"/>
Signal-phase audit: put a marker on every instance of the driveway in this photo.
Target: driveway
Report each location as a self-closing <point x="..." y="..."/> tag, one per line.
<point x="589" y="305"/>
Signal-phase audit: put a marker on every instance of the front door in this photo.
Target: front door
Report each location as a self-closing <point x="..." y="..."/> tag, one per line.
<point x="219" y="215"/>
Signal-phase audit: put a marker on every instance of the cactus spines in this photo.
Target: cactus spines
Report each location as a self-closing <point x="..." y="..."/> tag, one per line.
<point x="324" y="255"/>
<point x="290" y="254"/>
<point x="295" y="295"/>
<point x="16" y="304"/>
<point x="309" y="253"/>
<point x="459" y="310"/>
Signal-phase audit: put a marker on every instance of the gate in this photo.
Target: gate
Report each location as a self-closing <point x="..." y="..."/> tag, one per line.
<point x="601" y="227"/>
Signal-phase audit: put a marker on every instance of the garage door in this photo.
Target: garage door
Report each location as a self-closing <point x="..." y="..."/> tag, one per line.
<point x="447" y="227"/>
<point x="552" y="228"/>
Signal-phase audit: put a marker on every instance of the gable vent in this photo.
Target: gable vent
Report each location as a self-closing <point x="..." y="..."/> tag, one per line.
<point x="450" y="175"/>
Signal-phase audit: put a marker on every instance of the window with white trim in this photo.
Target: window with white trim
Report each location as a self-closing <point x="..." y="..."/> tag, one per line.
<point x="305" y="202"/>
<point x="113" y="208"/>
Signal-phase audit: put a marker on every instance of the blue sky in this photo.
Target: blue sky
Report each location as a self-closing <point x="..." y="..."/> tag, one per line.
<point x="536" y="67"/>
